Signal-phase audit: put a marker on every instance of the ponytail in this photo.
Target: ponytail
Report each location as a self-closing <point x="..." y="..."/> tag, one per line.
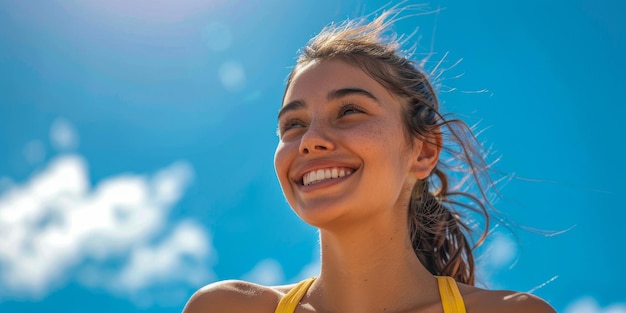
<point x="437" y="237"/>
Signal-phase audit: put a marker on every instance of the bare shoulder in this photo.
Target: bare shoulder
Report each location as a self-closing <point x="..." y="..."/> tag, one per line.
<point x="482" y="300"/>
<point x="235" y="296"/>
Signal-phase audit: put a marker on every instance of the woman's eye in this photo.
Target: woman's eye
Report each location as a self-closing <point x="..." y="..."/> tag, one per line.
<point x="290" y="124"/>
<point x="348" y="109"/>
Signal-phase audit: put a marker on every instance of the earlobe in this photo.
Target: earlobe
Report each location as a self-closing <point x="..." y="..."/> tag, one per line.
<point x="426" y="155"/>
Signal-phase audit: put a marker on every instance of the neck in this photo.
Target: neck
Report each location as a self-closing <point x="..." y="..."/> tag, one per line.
<point x="371" y="268"/>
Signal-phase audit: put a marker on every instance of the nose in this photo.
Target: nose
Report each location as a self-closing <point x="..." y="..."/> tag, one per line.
<point x="316" y="139"/>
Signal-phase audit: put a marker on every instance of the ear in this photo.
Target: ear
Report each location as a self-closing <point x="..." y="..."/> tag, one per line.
<point x="426" y="155"/>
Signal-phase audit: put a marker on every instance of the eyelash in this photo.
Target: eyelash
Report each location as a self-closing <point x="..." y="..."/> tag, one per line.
<point x="349" y="106"/>
<point x="288" y="124"/>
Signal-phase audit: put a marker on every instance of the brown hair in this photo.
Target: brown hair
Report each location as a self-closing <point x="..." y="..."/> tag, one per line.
<point x="437" y="232"/>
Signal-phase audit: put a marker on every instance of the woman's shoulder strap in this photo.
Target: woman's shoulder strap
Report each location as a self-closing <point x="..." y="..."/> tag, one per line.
<point x="289" y="302"/>
<point x="451" y="298"/>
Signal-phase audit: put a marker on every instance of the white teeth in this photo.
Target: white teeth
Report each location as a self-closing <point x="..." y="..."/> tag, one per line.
<point x="320" y="175"/>
<point x="317" y="176"/>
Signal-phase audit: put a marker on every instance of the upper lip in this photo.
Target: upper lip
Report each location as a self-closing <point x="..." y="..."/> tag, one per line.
<point x="318" y="165"/>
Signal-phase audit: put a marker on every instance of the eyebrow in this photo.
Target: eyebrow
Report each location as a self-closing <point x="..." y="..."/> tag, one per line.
<point x="344" y="92"/>
<point x="333" y="95"/>
<point x="291" y="106"/>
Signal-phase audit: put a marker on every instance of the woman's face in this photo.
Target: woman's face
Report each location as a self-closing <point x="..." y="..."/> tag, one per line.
<point x="343" y="153"/>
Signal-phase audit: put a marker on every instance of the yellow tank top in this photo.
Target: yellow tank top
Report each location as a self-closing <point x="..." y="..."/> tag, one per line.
<point x="451" y="299"/>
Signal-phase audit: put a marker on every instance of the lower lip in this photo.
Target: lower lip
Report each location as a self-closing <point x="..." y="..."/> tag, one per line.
<point x="324" y="184"/>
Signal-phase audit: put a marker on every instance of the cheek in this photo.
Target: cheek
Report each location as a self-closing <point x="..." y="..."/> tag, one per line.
<point x="390" y="145"/>
<point x="382" y="138"/>
<point x="281" y="163"/>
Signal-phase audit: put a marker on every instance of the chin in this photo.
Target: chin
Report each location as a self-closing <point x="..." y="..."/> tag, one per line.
<point x="321" y="214"/>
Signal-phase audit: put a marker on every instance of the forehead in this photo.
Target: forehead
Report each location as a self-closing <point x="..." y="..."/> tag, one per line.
<point x="317" y="78"/>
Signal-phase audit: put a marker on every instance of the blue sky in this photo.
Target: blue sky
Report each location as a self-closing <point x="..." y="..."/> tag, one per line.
<point x="136" y="145"/>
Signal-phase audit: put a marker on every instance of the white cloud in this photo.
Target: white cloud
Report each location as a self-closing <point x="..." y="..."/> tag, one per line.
<point x="28" y="217"/>
<point x="311" y="269"/>
<point x="232" y="75"/>
<point x="56" y="222"/>
<point x="178" y="256"/>
<point x="498" y="252"/>
<point x="589" y="305"/>
<point x="502" y="251"/>
<point x="267" y="272"/>
<point x="63" y="135"/>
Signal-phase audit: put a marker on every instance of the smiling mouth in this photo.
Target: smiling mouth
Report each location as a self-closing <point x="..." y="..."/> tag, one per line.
<point x="318" y="176"/>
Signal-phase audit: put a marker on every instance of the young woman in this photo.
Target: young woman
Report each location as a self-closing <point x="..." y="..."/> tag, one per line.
<point x="359" y="158"/>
